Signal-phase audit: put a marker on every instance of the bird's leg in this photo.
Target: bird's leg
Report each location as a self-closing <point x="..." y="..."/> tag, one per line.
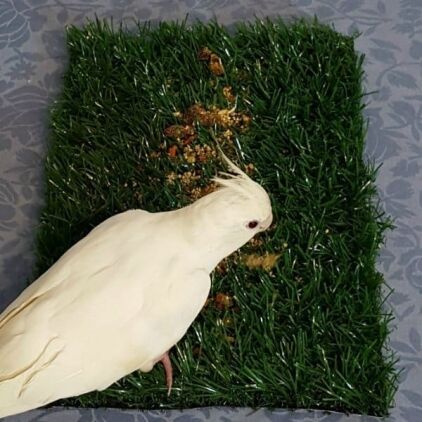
<point x="165" y="360"/>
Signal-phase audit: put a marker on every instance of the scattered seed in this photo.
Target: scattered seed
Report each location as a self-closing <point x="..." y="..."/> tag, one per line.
<point x="267" y="261"/>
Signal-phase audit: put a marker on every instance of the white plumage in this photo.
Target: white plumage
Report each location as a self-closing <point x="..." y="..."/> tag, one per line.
<point x="121" y="297"/>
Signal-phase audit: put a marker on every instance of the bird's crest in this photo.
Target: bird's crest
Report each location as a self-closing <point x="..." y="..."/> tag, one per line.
<point x="239" y="182"/>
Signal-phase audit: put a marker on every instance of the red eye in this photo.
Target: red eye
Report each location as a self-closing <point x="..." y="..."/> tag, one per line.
<point x="252" y="224"/>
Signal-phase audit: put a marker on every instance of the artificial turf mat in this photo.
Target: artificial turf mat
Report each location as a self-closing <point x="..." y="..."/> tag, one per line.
<point x="295" y="319"/>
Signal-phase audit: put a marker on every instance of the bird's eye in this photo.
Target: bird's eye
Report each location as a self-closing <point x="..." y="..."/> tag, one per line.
<point x="252" y="224"/>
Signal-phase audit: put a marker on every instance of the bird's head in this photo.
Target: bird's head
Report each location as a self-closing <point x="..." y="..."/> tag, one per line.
<point x="245" y="204"/>
<point x="235" y="212"/>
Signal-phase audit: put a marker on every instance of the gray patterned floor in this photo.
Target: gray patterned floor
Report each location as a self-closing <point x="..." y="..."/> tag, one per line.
<point x="32" y="59"/>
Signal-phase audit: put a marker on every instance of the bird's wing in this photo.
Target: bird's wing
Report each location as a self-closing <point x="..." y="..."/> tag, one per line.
<point x="82" y="349"/>
<point x="24" y="340"/>
<point x="24" y="325"/>
<point x="92" y="243"/>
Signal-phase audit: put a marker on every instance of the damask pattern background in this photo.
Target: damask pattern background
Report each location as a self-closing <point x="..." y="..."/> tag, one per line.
<point x="32" y="60"/>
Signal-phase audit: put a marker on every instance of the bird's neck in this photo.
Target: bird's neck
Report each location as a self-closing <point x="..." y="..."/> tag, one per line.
<point x="207" y="241"/>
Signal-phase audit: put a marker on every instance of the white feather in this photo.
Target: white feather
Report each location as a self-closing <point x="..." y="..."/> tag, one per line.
<point x="121" y="297"/>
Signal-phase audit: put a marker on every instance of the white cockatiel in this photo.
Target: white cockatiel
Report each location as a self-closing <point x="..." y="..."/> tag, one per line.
<point x="121" y="297"/>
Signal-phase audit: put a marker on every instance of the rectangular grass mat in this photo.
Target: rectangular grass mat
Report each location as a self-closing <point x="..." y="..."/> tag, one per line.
<point x="295" y="318"/>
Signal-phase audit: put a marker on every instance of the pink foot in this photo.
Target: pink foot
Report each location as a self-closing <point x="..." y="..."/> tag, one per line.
<point x="165" y="360"/>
